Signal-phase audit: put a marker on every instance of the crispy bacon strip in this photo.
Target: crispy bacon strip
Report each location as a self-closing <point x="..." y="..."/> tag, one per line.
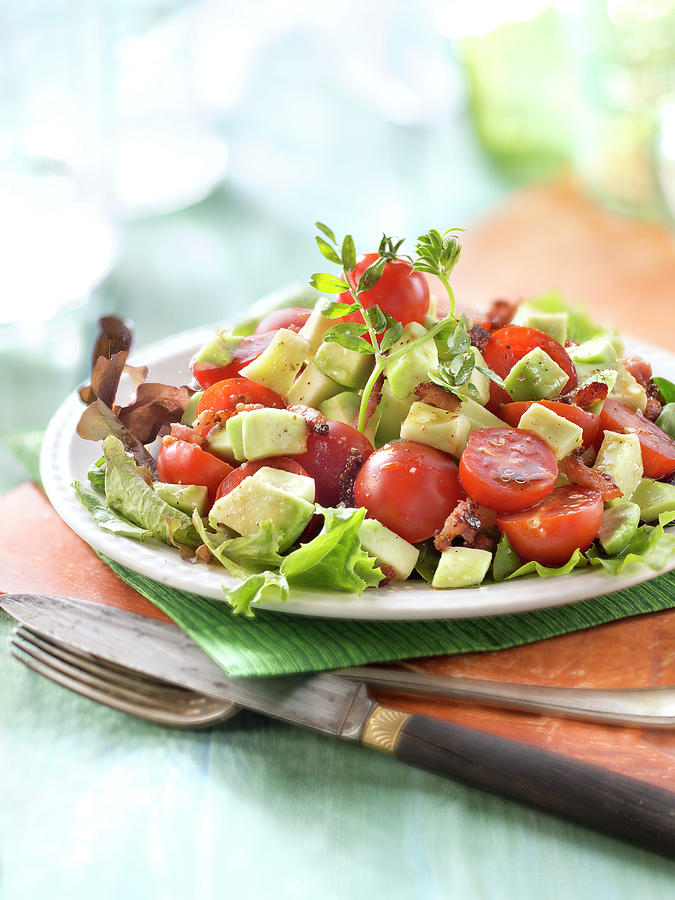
<point x="187" y="433"/>
<point x="653" y="408"/>
<point x="463" y="522"/>
<point x="479" y="336"/>
<point x="435" y="395"/>
<point x="500" y="313"/>
<point x="348" y="477"/>
<point x="375" y="397"/>
<point x="578" y="473"/>
<point x="316" y="421"/>
<point x="639" y="368"/>
<point x="208" y="419"/>
<point x="587" y="394"/>
<point x="389" y="574"/>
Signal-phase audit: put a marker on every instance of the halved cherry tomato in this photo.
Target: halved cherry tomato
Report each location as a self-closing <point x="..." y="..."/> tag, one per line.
<point x="568" y="519"/>
<point x="658" y="448"/>
<point x="510" y="344"/>
<point x="409" y="487"/>
<point x="293" y="317"/>
<point x="249" y="348"/>
<point x="588" y="422"/>
<point x="236" y="476"/>
<point x="400" y="292"/>
<point x="326" y="457"/>
<point x="507" y="469"/>
<point x="225" y="395"/>
<point x="180" y="462"/>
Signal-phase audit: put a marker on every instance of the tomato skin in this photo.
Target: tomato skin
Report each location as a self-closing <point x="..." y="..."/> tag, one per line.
<point x="400" y="292"/>
<point x="225" y="395"/>
<point x="507" y="469"/>
<point x="180" y="462"/>
<point x="326" y="457"/>
<point x="588" y="422"/>
<point x="292" y="317"/>
<point x="567" y="520"/>
<point x="510" y="344"/>
<point x="658" y="448"/>
<point x="249" y="348"/>
<point x="409" y="487"/>
<point x="236" y="476"/>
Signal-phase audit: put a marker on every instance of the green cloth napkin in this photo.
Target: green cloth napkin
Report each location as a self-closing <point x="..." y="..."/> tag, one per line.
<point x="281" y="644"/>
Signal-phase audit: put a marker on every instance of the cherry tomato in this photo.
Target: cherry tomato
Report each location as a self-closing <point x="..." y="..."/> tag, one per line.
<point x="180" y="462"/>
<point x="507" y="469"/>
<point x="249" y="348"/>
<point x="236" y="476"/>
<point x="326" y="457"/>
<point x="293" y="317"/>
<point x="568" y="519"/>
<point x="225" y="395"/>
<point x="409" y="487"/>
<point x="510" y="344"/>
<point x="402" y="293"/>
<point x="588" y="422"/>
<point x="658" y="448"/>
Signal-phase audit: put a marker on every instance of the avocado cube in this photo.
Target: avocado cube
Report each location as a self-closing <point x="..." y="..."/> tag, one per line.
<point x="279" y="363"/>
<point x="218" y="442"/>
<point x="253" y="502"/>
<point x="620" y="456"/>
<point x="535" y="377"/>
<point x="190" y="412"/>
<point x="628" y="390"/>
<point x="316" y="326"/>
<point x="598" y="351"/>
<point x="405" y="373"/>
<point x="348" y="367"/>
<point x="344" y="407"/>
<point x="393" y="411"/>
<point x="312" y="387"/>
<point x="271" y="432"/>
<point x="439" y="428"/>
<point x="480" y="382"/>
<point x="654" y="498"/>
<point x="479" y="416"/>
<point x="552" y="323"/>
<point x="461" y="567"/>
<point x="562" y="436"/>
<point x="299" y="485"/>
<point x="232" y="441"/>
<point x="218" y="350"/>
<point x="188" y="498"/>
<point x="388" y="548"/>
<point x="619" y="524"/>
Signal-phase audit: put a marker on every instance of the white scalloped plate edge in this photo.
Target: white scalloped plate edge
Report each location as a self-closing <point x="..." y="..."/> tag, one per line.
<point x="65" y="458"/>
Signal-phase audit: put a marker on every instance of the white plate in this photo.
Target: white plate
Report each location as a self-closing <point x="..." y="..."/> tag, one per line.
<point x="66" y="458"/>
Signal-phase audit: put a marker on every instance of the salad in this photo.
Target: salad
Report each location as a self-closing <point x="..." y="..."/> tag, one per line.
<point x="374" y="435"/>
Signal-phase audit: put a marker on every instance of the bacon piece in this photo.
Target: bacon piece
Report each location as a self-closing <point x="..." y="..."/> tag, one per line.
<point x="435" y="395"/>
<point x="348" y="477"/>
<point x="316" y="421"/>
<point x="375" y="396"/>
<point x="186" y="433"/>
<point x="653" y="409"/>
<point x="484" y="542"/>
<point x="389" y="574"/>
<point x="587" y="394"/>
<point x="578" y="473"/>
<point x="463" y="522"/>
<point x="208" y="419"/>
<point x="500" y="313"/>
<point x="248" y="407"/>
<point x="479" y="336"/>
<point x="639" y="368"/>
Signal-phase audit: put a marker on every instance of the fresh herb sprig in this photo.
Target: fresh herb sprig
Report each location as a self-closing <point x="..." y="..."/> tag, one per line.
<point x="455" y="372"/>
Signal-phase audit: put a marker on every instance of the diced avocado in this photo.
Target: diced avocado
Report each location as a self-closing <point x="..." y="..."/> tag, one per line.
<point x="190" y="413"/>
<point x="480" y="381"/>
<point x="535" y="377"/>
<point x="388" y="548"/>
<point x="316" y="326"/>
<point x="406" y="373"/>
<point x="619" y="456"/>
<point x="479" y="416"/>
<point x="219" y="442"/>
<point x="562" y="436"/>
<point x="312" y="387"/>
<point x="666" y="420"/>
<point x="440" y="428"/>
<point x="619" y="524"/>
<point x="628" y="390"/>
<point x="599" y="351"/>
<point x="654" y="498"/>
<point x="188" y="498"/>
<point x="553" y="323"/>
<point x="233" y="438"/>
<point x="299" y="485"/>
<point x="344" y="407"/>
<point x="271" y="432"/>
<point x="348" y="367"/>
<point x="393" y="411"/>
<point x="279" y="363"/>
<point x="461" y="567"/>
<point x="218" y="350"/>
<point x="253" y="502"/>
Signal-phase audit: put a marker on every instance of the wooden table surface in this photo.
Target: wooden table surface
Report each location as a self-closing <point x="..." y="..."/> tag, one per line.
<point x="95" y="804"/>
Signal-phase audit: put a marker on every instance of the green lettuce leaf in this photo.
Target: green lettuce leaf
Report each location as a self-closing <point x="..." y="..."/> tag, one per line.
<point x="667" y="419"/>
<point x="127" y="492"/>
<point x="506" y="561"/>
<point x="96" y="474"/>
<point x="107" y="518"/>
<point x="261" y="586"/>
<point x="666" y="389"/>
<point x="580" y="327"/>
<point x="577" y="559"/>
<point x="244" y="555"/>
<point x="427" y="561"/>
<point x="650" y="545"/>
<point x="334" y="559"/>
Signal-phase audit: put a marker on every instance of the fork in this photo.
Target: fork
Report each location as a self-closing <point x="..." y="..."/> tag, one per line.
<point x="139" y="695"/>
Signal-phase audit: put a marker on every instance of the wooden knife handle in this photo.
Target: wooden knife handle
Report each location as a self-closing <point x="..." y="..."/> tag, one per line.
<point x="607" y="801"/>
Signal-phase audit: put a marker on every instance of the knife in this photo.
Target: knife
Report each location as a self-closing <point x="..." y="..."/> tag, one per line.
<point x="608" y="801"/>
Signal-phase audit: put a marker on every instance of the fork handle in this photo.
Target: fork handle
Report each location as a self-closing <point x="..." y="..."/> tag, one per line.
<point x="599" y="798"/>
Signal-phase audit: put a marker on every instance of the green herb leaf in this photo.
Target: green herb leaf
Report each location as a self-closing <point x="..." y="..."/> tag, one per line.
<point x="490" y="374"/>
<point x="328" y="284"/>
<point x="328" y="251"/>
<point x="437" y="253"/>
<point x="392" y="334"/>
<point x="427" y="561"/>
<point x="371" y="275"/>
<point x="348" y="253"/>
<point x="336" y="310"/>
<point x="324" y="229"/>
<point x="376" y="318"/>
<point x="666" y="389"/>
<point x="348" y="335"/>
<point x="666" y="419"/>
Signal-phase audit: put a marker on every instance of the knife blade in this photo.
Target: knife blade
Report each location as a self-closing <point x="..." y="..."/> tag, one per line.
<point x="608" y="801"/>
